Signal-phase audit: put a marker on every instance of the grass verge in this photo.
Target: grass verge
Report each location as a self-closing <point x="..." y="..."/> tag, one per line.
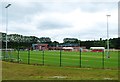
<point x="15" y="71"/>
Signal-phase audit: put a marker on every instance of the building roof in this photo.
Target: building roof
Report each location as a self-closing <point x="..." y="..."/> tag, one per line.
<point x="68" y="48"/>
<point x="97" y="48"/>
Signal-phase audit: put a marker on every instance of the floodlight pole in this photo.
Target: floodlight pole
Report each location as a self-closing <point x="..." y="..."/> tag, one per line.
<point x="108" y="37"/>
<point x="7" y="24"/>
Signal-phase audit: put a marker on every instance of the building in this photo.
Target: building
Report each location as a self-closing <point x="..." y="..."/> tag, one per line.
<point x="40" y="46"/>
<point x="97" y="49"/>
<point x="67" y="48"/>
<point x="55" y="48"/>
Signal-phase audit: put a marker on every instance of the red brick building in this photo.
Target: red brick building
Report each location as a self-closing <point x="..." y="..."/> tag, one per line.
<point x="40" y="46"/>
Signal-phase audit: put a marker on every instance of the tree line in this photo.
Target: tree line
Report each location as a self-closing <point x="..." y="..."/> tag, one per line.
<point x="113" y="43"/>
<point x="19" y="41"/>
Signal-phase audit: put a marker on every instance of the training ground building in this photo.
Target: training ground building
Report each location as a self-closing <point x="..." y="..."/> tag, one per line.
<point x="40" y="47"/>
<point x="97" y="49"/>
<point x="65" y="47"/>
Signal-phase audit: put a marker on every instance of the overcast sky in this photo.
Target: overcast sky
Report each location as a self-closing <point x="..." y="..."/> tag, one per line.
<point x="59" y="19"/>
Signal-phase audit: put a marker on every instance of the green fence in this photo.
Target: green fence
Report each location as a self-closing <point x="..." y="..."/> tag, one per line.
<point x="63" y="58"/>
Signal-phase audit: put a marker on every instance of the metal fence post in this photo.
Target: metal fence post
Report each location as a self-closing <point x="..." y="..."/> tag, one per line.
<point x="103" y="59"/>
<point x="80" y="58"/>
<point x="43" y="57"/>
<point x="4" y="55"/>
<point x="60" y="56"/>
<point x="28" y="56"/>
<point x="18" y="56"/>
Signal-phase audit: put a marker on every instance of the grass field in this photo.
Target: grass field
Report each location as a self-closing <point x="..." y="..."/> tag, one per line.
<point x="68" y="59"/>
<point x="15" y="71"/>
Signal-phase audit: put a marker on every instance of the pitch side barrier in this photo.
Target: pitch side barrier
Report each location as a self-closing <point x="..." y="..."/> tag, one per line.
<point x="61" y="58"/>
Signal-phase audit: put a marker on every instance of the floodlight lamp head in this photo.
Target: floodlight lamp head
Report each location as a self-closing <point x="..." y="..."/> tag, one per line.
<point x="8" y="5"/>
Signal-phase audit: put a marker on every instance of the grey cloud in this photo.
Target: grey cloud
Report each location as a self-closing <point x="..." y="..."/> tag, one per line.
<point x="52" y="24"/>
<point x="99" y="31"/>
<point x="18" y="12"/>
